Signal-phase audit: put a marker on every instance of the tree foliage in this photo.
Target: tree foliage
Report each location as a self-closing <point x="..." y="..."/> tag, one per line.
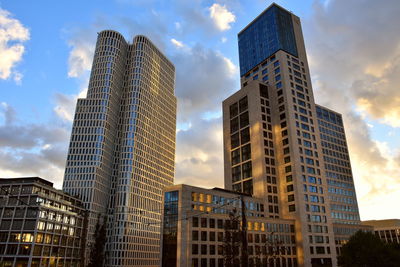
<point x="97" y="251"/>
<point x="364" y="249"/>
<point x="232" y="240"/>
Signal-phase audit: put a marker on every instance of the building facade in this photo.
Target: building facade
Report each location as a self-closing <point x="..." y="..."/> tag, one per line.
<point x="195" y="229"/>
<point x="387" y="230"/>
<point x="341" y="190"/>
<point x="280" y="146"/>
<point x="122" y="146"/>
<point x="40" y="225"/>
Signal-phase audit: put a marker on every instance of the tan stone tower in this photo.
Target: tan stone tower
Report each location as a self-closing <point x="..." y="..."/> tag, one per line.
<point x="122" y="147"/>
<point x="272" y="146"/>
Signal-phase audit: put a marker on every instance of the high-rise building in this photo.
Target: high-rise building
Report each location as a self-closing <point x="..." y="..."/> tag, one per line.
<point x="339" y="177"/>
<point x="122" y="147"/>
<point x="40" y="225"/>
<point x="272" y="138"/>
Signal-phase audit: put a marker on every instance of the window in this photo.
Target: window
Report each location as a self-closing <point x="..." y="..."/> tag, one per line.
<point x="203" y="236"/>
<point x="246" y="152"/>
<point x="245" y="135"/>
<point x="235" y="156"/>
<point x="195" y="235"/>
<point x="290" y="188"/>
<point x="288" y="169"/>
<point x="292" y="208"/>
<point x="233" y="110"/>
<point x="248" y="187"/>
<point x="247" y="170"/>
<point x="235" y="140"/>
<point x="234" y="125"/>
<point x="290" y="198"/>
<point x="263" y="91"/>
<point x="244" y="119"/>
<point x="195" y="249"/>
<point x="243" y="104"/>
<point x="195" y="222"/>
<point x="204" y="222"/>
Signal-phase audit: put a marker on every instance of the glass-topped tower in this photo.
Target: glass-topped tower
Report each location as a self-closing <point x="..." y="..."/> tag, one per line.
<point x="122" y="148"/>
<point x="272" y="140"/>
<point x="271" y="31"/>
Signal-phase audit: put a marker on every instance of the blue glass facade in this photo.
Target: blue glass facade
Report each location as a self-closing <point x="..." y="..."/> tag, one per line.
<point x="270" y="32"/>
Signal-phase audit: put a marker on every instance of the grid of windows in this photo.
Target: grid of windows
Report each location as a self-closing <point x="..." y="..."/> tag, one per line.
<point x="344" y="207"/>
<point x="40" y="226"/>
<point x="122" y="146"/>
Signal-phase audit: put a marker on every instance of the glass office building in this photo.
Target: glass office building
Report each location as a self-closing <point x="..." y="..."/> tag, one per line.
<point x="269" y="32"/>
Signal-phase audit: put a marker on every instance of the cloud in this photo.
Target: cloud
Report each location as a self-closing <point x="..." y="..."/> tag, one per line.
<point x="177" y="43"/>
<point x="12" y="37"/>
<point x="65" y="106"/>
<point x="199" y="158"/>
<point x="81" y="56"/>
<point x="32" y="149"/>
<point x="356" y="72"/>
<point x="221" y="17"/>
<point x="204" y="77"/>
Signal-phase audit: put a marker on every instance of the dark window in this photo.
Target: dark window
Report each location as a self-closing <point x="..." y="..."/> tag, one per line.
<point x="263" y="90"/>
<point x="244" y="119"/>
<point x="235" y="140"/>
<point x="203" y="236"/>
<point x="292" y="208"/>
<point x="246" y="152"/>
<point x="247" y="170"/>
<point x="195" y="222"/>
<point x="212" y="223"/>
<point x="245" y="135"/>
<point x="234" y="125"/>
<point x="195" y="235"/>
<point x="248" y="187"/>
<point x="195" y="249"/>
<point x="203" y="251"/>
<point x="235" y="156"/>
<point x="243" y="104"/>
<point x="236" y="174"/>
<point x="233" y="110"/>
<point x="204" y="222"/>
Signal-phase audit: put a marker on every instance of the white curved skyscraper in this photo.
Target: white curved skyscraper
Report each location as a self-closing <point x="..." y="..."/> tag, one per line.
<point x="122" y="146"/>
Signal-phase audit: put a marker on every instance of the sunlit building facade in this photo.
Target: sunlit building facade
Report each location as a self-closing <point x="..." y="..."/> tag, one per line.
<point x="195" y="222"/>
<point x="387" y="230"/>
<point x="280" y="146"/>
<point x="40" y="225"/>
<point x="122" y="147"/>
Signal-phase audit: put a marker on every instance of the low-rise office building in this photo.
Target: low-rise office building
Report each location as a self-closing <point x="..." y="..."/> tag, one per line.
<point x="195" y="228"/>
<point x="39" y="225"/>
<point x="386" y="230"/>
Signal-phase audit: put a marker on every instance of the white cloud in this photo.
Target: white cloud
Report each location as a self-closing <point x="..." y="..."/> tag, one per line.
<point x="353" y="71"/>
<point x="224" y="39"/>
<point x="81" y="55"/>
<point x="177" y="43"/>
<point x="32" y="149"/>
<point x="221" y="17"/>
<point x="12" y="37"/>
<point x="213" y="76"/>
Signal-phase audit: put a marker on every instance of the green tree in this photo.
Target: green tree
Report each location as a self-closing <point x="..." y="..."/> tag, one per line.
<point x="364" y="249"/>
<point x="232" y="240"/>
<point x="97" y="251"/>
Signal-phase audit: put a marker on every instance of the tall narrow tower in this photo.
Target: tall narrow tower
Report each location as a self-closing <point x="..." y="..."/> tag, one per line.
<point x="272" y="145"/>
<point x="122" y="147"/>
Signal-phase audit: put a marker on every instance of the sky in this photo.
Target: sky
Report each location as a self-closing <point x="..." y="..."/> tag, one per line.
<point x="353" y="46"/>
